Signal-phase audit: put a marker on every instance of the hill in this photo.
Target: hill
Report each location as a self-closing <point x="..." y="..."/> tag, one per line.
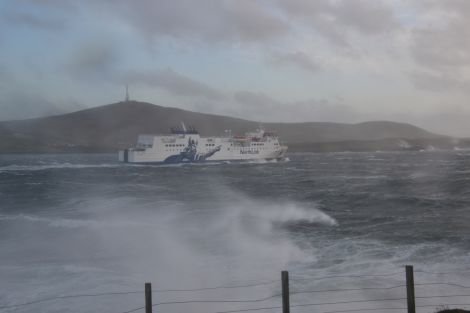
<point x="114" y="126"/>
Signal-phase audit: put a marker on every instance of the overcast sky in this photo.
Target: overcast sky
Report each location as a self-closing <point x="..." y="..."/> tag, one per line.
<point x="273" y="60"/>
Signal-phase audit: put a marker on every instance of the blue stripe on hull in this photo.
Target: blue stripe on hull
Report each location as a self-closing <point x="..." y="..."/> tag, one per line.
<point x="204" y="161"/>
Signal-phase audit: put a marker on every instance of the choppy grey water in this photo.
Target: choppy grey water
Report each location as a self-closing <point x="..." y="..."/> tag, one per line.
<point x="84" y="224"/>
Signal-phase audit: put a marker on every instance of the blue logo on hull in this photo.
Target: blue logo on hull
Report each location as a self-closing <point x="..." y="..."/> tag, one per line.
<point x="190" y="154"/>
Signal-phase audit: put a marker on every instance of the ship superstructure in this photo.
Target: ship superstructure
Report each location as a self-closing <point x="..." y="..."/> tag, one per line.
<point x="185" y="145"/>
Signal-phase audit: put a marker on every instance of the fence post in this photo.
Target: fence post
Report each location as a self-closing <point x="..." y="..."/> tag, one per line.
<point x="285" y="292"/>
<point x="148" y="298"/>
<point x="410" y="289"/>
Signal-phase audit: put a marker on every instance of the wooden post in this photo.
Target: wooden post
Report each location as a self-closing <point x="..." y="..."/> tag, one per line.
<point x="410" y="289"/>
<point x="285" y="292"/>
<point x="148" y="298"/>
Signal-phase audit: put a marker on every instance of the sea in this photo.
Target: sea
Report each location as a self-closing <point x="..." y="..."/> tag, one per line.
<point x="84" y="233"/>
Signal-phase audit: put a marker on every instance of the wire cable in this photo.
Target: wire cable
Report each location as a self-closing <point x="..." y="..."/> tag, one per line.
<point x="345" y="289"/>
<point x="297" y="305"/>
<point x="440" y="296"/>
<point x="217" y="301"/>
<point x="433" y="305"/>
<point x="446" y="284"/>
<point x="360" y="310"/>
<point x="336" y="311"/>
<point x="134" y="310"/>
<point x="217" y="287"/>
<point x="442" y="273"/>
<point x="68" y="297"/>
<point x="133" y="292"/>
<point x="313" y="304"/>
<point x="347" y="302"/>
<point x="347" y="276"/>
<point x="249" y="310"/>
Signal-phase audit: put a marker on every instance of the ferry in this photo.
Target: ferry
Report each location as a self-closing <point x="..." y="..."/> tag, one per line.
<point x="185" y="145"/>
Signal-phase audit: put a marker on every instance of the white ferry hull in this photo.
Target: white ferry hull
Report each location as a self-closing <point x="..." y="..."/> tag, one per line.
<point x="191" y="148"/>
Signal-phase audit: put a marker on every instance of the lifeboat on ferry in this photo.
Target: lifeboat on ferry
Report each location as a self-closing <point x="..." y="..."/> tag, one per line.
<point x="240" y="138"/>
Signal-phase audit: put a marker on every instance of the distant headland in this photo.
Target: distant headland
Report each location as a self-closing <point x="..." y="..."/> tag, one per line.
<point x="115" y="126"/>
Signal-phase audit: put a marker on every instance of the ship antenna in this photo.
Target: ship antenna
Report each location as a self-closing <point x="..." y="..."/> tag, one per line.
<point x="127" y="93"/>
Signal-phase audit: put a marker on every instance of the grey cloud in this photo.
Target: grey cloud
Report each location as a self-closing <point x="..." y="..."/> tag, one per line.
<point x="442" y="51"/>
<point x="298" y="59"/>
<point x="229" y="21"/>
<point x="21" y="104"/>
<point x="368" y="17"/>
<point x="55" y="4"/>
<point x="244" y="21"/>
<point x="442" y="48"/>
<point x="174" y="83"/>
<point x="450" y="119"/>
<point x="334" y="20"/>
<point x="34" y="21"/>
<point x="439" y="81"/>
<point x="449" y="122"/>
<point x="268" y="109"/>
<point x="93" y="60"/>
<point x="253" y="20"/>
<point x="256" y="99"/>
<point x="4" y="76"/>
<point x="261" y="107"/>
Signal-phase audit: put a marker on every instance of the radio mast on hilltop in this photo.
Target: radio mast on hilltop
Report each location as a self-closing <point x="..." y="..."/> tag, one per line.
<point x="127" y="93"/>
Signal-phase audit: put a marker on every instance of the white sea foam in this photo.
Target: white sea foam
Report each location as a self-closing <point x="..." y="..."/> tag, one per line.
<point x="292" y="212"/>
<point x="51" y="166"/>
<point x="42" y="167"/>
<point x="70" y="223"/>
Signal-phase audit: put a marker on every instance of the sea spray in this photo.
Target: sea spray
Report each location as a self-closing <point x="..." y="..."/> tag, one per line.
<point x="100" y="229"/>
